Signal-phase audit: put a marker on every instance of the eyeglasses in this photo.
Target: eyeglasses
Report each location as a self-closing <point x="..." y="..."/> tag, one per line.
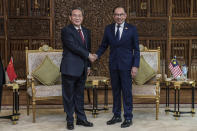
<point x="77" y="16"/>
<point x="119" y="15"/>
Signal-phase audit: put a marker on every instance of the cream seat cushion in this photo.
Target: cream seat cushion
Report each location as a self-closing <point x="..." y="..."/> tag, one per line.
<point x="46" y="91"/>
<point x="147" y="89"/>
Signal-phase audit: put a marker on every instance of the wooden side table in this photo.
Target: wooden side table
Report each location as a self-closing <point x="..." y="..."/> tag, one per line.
<point x="177" y="87"/>
<point x="14" y="117"/>
<point x="94" y="83"/>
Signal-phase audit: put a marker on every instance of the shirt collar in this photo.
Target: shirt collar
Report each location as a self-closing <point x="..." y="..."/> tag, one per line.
<point x="77" y="27"/>
<point x="121" y="25"/>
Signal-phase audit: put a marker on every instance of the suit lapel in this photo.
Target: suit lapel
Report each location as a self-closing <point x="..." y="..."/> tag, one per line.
<point x="124" y="32"/>
<point x="113" y="30"/>
<point x="77" y="35"/>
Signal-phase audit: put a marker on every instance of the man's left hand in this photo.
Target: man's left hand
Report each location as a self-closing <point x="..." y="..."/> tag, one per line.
<point x="134" y="71"/>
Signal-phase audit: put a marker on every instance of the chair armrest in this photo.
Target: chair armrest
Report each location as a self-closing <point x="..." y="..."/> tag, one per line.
<point x="158" y="77"/>
<point x="155" y="79"/>
<point x="29" y="77"/>
<point x="30" y="83"/>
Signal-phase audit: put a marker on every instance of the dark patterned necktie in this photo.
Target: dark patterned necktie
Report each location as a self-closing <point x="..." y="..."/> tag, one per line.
<point x="118" y="33"/>
<point x="81" y="35"/>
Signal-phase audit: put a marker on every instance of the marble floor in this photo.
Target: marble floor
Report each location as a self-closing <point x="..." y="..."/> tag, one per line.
<point x="143" y="120"/>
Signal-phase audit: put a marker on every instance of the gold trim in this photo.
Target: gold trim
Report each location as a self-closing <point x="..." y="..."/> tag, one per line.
<point x="30" y="80"/>
<point x="45" y="48"/>
<point x="15" y="86"/>
<point x="156" y="96"/>
<point x="14" y="122"/>
<point x="95" y="82"/>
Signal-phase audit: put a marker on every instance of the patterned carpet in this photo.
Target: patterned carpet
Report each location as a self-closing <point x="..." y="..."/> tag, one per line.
<point x="144" y="120"/>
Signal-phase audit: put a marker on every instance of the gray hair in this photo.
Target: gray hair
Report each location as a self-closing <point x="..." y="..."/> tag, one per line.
<point x="76" y="8"/>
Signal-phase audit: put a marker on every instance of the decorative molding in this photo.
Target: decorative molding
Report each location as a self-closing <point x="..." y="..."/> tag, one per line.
<point x="184" y="28"/>
<point x="45" y="48"/>
<point x="29" y="27"/>
<point x="149" y="28"/>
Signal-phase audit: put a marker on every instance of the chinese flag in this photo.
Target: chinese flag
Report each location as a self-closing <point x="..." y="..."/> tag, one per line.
<point x="10" y="71"/>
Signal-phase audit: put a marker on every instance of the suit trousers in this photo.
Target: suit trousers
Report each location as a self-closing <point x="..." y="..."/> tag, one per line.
<point x="73" y="96"/>
<point x="121" y="82"/>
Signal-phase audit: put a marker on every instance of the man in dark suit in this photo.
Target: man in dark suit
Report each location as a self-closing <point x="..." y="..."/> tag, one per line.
<point x="2" y="80"/>
<point x="74" y="68"/>
<point x="123" y="63"/>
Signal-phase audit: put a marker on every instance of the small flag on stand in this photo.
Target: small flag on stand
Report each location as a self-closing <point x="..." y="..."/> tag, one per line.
<point x="175" y="68"/>
<point x="10" y="71"/>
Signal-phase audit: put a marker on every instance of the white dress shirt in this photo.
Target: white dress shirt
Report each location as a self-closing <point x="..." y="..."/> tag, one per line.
<point x="81" y="30"/>
<point x="120" y="29"/>
<point x="83" y="36"/>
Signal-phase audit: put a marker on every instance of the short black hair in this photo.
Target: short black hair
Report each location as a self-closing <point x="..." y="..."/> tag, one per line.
<point x="119" y="7"/>
<point x="76" y="8"/>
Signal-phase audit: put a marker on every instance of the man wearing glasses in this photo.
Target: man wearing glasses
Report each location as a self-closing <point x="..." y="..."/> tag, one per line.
<point x="74" y="68"/>
<point x="123" y="63"/>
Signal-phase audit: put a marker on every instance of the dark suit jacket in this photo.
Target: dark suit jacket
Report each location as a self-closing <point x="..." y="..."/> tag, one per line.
<point x="2" y="79"/>
<point x="75" y="53"/>
<point x="124" y="54"/>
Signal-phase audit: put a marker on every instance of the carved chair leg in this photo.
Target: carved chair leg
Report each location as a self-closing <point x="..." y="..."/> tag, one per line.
<point x="34" y="110"/>
<point x="28" y="99"/>
<point x="157" y="108"/>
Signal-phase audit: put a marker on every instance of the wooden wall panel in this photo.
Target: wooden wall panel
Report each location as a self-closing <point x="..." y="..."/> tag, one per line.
<point x="194" y="60"/>
<point x="179" y="48"/>
<point x="150" y="28"/>
<point x="17" y="50"/>
<point x="18" y="7"/>
<point x="195" y="8"/>
<point x="40" y="7"/>
<point x="158" y="8"/>
<point x="138" y="8"/>
<point x="2" y="32"/>
<point x="2" y="50"/>
<point x="1" y="7"/>
<point x="181" y="8"/>
<point x="29" y="23"/>
<point x="185" y="28"/>
<point x="28" y="27"/>
<point x="194" y="52"/>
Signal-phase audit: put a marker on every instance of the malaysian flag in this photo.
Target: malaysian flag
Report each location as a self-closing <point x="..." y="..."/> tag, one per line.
<point x="175" y="68"/>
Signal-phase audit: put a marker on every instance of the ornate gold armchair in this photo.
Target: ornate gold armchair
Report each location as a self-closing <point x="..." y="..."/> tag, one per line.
<point x="150" y="89"/>
<point x="36" y="90"/>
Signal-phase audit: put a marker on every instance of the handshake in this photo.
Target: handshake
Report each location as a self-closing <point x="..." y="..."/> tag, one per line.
<point x="92" y="57"/>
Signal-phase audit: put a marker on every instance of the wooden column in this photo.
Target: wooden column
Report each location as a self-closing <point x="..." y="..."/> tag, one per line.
<point x="169" y="35"/>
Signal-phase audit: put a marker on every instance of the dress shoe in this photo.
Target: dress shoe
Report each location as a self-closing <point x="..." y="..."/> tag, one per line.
<point x="70" y="126"/>
<point x="126" y="123"/>
<point x="84" y="123"/>
<point x="114" y="120"/>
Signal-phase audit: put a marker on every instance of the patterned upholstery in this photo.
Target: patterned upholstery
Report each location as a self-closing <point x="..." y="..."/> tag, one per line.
<point x="34" y="60"/>
<point x="148" y="89"/>
<point x="151" y="58"/>
<point x="45" y="91"/>
<point x="144" y="90"/>
<point x="35" y="90"/>
<point x="151" y="89"/>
